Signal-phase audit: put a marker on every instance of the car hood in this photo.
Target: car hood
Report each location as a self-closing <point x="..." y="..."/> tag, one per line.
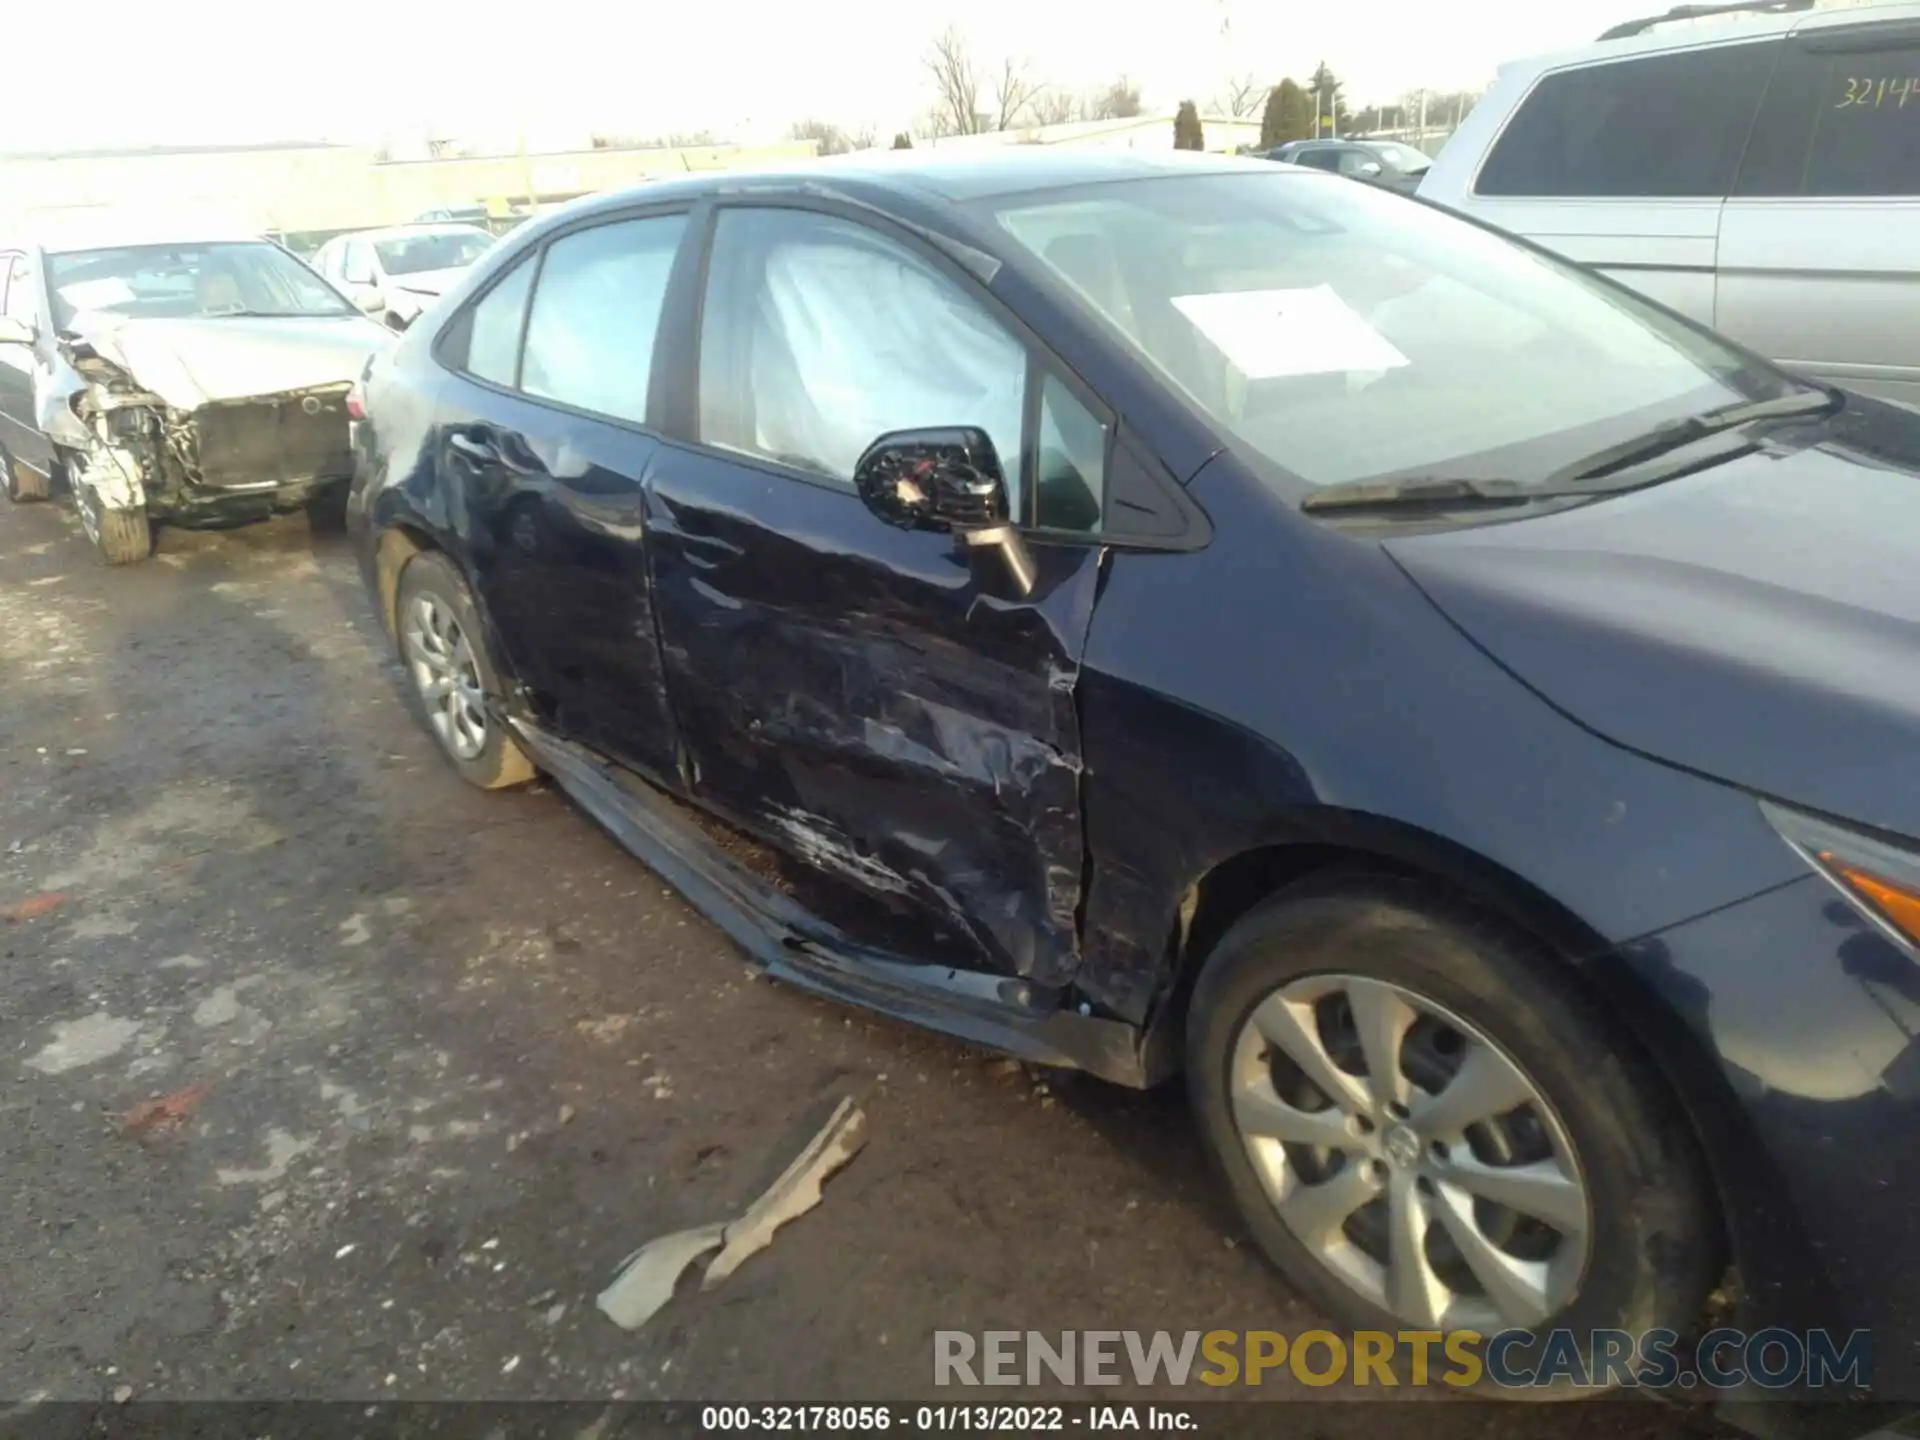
<point x="1758" y="622"/>
<point x="192" y="362"/>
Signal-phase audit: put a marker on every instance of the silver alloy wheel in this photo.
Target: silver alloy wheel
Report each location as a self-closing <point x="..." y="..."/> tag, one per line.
<point x="442" y="664"/>
<point x="1409" y="1154"/>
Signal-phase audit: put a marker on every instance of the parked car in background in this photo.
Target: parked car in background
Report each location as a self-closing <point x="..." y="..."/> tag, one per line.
<point x="186" y="379"/>
<point x="453" y="214"/>
<point x="1526" y="880"/>
<point x="1760" y="174"/>
<point x="1386" y="163"/>
<point x="394" y="274"/>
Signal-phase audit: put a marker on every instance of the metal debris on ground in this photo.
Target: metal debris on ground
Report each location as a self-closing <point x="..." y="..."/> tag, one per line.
<point x="647" y="1278"/>
<point x="164" y="1112"/>
<point x="32" y="908"/>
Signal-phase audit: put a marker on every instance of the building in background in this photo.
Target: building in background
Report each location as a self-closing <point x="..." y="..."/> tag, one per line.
<point x="308" y="192"/>
<point x="1223" y="134"/>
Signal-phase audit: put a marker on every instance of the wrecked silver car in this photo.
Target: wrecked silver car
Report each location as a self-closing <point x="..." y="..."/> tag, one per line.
<point x="191" y="382"/>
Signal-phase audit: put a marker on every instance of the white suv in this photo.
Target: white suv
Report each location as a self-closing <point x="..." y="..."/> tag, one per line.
<point x="1755" y="166"/>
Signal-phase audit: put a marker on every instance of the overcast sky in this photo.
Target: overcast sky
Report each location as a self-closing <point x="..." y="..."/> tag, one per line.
<point x="116" y="72"/>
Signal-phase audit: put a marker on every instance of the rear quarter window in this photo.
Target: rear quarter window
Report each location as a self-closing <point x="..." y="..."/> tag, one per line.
<point x="1840" y="123"/>
<point x="1669" y="125"/>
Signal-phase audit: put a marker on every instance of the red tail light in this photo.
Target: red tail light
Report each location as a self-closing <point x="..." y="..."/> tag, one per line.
<point x="356" y="402"/>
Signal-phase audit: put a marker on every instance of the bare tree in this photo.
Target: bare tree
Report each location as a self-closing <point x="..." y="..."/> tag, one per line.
<point x="1243" y="95"/>
<point x="956" y="81"/>
<point x="962" y="84"/>
<point x="1013" y="92"/>
<point x="829" y="139"/>
<point x="1119" y="101"/>
<point x="1056" y="107"/>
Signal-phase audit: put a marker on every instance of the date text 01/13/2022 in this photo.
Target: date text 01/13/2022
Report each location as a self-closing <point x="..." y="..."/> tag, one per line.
<point x="854" y="1419"/>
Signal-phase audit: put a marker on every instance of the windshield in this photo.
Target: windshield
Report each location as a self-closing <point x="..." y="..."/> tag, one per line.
<point x="1403" y="158"/>
<point x="1341" y="334"/>
<point x="246" y="277"/>
<point x="433" y="250"/>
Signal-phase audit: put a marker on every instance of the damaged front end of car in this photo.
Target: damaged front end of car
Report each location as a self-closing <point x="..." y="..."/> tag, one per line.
<point x="219" y="462"/>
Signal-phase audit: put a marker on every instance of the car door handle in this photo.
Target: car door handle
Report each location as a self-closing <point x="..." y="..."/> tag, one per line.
<point x="474" y="449"/>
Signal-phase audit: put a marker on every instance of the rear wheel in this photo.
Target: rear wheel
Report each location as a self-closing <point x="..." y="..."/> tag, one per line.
<point x="451" y="676"/>
<point x="1427" y="1127"/>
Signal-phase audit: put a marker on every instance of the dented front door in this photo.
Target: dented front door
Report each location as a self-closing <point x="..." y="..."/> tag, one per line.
<point x="885" y="704"/>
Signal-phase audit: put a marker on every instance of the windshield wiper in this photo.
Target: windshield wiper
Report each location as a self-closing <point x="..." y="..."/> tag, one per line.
<point x="1425" y="493"/>
<point x="1676" y="433"/>
<point x="277" y="314"/>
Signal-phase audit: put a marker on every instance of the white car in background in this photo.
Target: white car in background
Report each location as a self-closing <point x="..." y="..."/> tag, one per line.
<point x="1754" y="165"/>
<point x="395" y="274"/>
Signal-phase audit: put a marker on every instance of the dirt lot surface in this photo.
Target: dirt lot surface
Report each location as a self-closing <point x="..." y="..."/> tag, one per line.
<point x="326" y="1076"/>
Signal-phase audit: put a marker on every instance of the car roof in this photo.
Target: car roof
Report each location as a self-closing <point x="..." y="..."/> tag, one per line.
<point x="402" y="232"/>
<point x="1685" y="33"/>
<point x="928" y="175"/>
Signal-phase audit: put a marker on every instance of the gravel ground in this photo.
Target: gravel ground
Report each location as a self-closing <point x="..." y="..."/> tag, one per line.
<point x="328" y="1077"/>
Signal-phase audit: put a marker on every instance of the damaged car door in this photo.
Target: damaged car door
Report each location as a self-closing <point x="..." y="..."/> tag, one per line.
<point x="21" y="442"/>
<point x="892" y="705"/>
<point x="544" y="433"/>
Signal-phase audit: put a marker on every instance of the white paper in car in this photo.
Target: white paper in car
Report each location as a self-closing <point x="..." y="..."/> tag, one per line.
<point x="95" y="294"/>
<point x="1267" y="334"/>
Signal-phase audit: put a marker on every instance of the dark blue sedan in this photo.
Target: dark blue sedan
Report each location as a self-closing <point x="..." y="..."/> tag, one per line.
<point x="1189" y="616"/>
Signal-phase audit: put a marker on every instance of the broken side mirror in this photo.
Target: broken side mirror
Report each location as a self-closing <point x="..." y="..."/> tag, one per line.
<point x="946" y="480"/>
<point x="15" y="331"/>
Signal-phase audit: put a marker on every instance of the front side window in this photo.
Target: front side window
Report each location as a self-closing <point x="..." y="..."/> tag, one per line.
<point x="595" y="312"/>
<point x="821" y="335"/>
<point x="1839" y="124"/>
<point x="1340" y="334"/>
<point x="240" y="278"/>
<point x="1657" y="125"/>
<point x="1070" y="462"/>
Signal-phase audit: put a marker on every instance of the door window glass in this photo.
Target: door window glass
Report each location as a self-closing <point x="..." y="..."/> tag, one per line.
<point x="1660" y="125"/>
<point x="1070" y="463"/>
<point x="493" y="329"/>
<point x="595" y="313"/>
<point x="821" y="335"/>
<point x="1842" y="124"/>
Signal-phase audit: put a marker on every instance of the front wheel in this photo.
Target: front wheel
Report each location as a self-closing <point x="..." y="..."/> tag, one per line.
<point x="451" y="676"/>
<point x="1428" y="1127"/>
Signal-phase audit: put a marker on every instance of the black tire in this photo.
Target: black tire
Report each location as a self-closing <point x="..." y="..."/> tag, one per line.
<point x="123" y="537"/>
<point x="1653" y="1246"/>
<point x="499" y="762"/>
<point x="327" y="510"/>
<point x="24" y="486"/>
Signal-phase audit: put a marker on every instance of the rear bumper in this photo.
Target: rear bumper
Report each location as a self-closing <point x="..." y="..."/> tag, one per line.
<point x="1793" y="1039"/>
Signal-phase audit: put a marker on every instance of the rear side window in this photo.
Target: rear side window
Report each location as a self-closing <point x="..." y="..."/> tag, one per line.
<point x="1662" y="125"/>
<point x="595" y="313"/>
<point x="1839" y="124"/>
<point x="485" y="341"/>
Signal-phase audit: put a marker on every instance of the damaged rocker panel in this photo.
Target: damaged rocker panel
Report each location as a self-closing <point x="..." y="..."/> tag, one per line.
<point x="794" y="944"/>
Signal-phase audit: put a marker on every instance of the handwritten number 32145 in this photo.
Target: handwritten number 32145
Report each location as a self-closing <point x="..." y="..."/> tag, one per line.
<point x="1872" y="94"/>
